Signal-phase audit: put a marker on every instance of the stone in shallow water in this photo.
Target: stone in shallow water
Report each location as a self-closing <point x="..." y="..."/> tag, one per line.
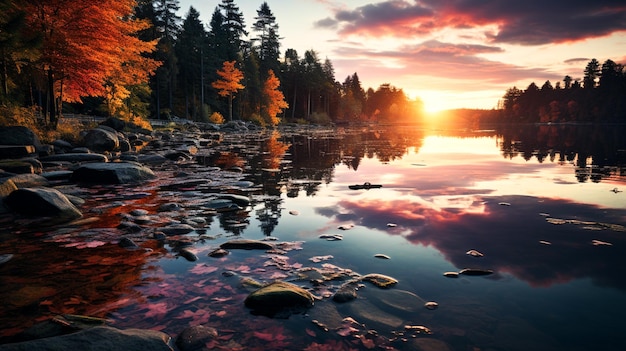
<point x="380" y="280"/>
<point x="476" y="271"/>
<point x="347" y="292"/>
<point x="195" y="338"/>
<point x="451" y="274"/>
<point x="246" y="244"/>
<point x="279" y="299"/>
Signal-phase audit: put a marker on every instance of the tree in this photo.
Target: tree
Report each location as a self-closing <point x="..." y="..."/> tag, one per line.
<point x="274" y="100"/>
<point x="234" y="27"/>
<point x="167" y="24"/>
<point x="592" y="72"/>
<point x="229" y="83"/>
<point x="191" y="45"/>
<point x="269" y="45"/>
<point x="83" y="44"/>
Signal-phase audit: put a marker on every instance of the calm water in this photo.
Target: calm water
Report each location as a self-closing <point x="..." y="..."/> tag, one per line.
<point x="545" y="205"/>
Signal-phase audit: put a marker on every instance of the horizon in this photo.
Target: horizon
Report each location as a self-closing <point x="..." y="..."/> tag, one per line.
<point x="462" y="55"/>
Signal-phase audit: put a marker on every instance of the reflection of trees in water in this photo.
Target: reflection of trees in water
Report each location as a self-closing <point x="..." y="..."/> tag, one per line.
<point x="597" y="151"/>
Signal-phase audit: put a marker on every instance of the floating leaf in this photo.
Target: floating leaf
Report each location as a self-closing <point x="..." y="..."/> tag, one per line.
<point x="203" y="268"/>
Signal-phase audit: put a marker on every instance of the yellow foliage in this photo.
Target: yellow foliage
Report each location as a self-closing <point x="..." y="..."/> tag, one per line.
<point x="216" y="118"/>
<point x="274" y="98"/>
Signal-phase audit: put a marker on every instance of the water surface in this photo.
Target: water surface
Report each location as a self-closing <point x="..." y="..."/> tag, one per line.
<point x="545" y="205"/>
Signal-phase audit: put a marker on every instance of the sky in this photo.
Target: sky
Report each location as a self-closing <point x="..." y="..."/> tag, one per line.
<point x="448" y="53"/>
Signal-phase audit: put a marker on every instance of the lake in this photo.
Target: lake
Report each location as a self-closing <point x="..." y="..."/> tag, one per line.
<point x="540" y="208"/>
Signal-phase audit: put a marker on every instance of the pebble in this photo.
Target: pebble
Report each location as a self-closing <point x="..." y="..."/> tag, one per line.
<point x="451" y="274"/>
<point x="474" y="253"/>
<point x="431" y="305"/>
<point x="331" y="237"/>
<point x="382" y="256"/>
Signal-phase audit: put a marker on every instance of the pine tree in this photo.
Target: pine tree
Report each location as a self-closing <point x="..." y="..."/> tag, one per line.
<point x="234" y="27"/>
<point x="268" y="48"/>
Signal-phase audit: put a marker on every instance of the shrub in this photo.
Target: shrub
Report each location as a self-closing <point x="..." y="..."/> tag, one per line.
<point x="216" y="118"/>
<point x="257" y="119"/>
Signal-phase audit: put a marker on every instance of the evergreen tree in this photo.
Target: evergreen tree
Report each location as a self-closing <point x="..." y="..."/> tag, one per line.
<point x="592" y="72"/>
<point x="234" y="27"/>
<point x="191" y="45"/>
<point x="269" y="45"/>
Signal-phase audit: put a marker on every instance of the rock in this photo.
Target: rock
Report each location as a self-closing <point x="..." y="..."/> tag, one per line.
<point x="57" y="175"/>
<point x="380" y="280"/>
<point x="475" y="271"/>
<point x="188" y="255"/>
<point x="366" y="186"/>
<point x="112" y="173"/>
<point x="246" y="244"/>
<point x="217" y="253"/>
<point x="18" y="135"/>
<point x="29" y="181"/>
<point x="177" y="229"/>
<point x="331" y="237"/>
<point x="346" y="292"/>
<point x="170" y="206"/>
<point x="7" y="186"/>
<point x="75" y="158"/>
<point x="474" y="253"/>
<point x="17" y="166"/>
<point x="195" y="338"/>
<point x="115" y="123"/>
<point x="16" y="151"/>
<point x="451" y="274"/>
<point x="431" y="305"/>
<point x="279" y="299"/>
<point x="238" y="199"/>
<point x="4" y="258"/>
<point x="101" y="139"/>
<point x="155" y="159"/>
<point x="98" y="338"/>
<point x="43" y="202"/>
<point x="382" y="256"/>
<point x="127" y="243"/>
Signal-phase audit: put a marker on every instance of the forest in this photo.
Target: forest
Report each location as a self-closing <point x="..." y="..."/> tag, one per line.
<point x="600" y="97"/>
<point x="139" y="59"/>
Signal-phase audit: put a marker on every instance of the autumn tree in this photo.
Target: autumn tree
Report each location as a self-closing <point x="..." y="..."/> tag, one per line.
<point x="228" y="83"/>
<point x="83" y="45"/>
<point x="273" y="99"/>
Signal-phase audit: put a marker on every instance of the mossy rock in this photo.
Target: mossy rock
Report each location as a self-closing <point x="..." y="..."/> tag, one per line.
<point x="279" y="299"/>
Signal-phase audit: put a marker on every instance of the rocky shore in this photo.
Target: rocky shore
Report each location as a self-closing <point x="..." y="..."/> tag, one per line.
<point x="46" y="188"/>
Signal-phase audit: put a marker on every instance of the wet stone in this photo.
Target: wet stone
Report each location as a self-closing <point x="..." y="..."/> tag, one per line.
<point x="246" y="244"/>
<point x="380" y="280"/>
<point x="177" y="229"/>
<point x="475" y="271"/>
<point x="196" y="338"/>
<point x="347" y="292"/>
<point x="128" y="243"/>
<point x="188" y="255"/>
<point x="279" y="299"/>
<point x="170" y="206"/>
<point x="451" y="274"/>
<point x="217" y="253"/>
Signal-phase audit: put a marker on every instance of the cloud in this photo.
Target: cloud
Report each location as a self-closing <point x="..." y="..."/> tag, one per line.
<point x="446" y="60"/>
<point x="530" y="22"/>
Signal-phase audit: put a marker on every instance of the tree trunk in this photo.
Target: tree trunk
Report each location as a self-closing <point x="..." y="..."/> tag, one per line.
<point x="52" y="110"/>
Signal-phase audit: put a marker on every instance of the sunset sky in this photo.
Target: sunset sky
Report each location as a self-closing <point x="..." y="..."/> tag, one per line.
<point x="450" y="54"/>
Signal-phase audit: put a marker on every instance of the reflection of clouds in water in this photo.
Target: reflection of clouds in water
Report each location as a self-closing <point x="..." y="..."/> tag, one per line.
<point x="509" y="236"/>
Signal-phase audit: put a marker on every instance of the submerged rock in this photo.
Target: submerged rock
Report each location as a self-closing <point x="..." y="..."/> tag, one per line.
<point x="346" y="292"/>
<point x="195" y="338"/>
<point x="279" y="299"/>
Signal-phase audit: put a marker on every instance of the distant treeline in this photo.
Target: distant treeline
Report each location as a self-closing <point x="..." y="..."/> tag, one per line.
<point x="600" y="97"/>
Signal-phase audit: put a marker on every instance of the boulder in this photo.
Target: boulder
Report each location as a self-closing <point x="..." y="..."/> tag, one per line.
<point x="101" y="139"/>
<point x="29" y="180"/>
<point x="16" y="166"/>
<point x="18" y="135"/>
<point x="43" y="202"/>
<point x="112" y="173"/>
<point x="279" y="299"/>
<point x="16" y="151"/>
<point x="75" y="158"/>
<point x="101" y="338"/>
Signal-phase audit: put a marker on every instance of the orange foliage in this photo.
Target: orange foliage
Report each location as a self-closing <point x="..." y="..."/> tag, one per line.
<point x="87" y="42"/>
<point x="274" y="98"/>
<point x="229" y="79"/>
